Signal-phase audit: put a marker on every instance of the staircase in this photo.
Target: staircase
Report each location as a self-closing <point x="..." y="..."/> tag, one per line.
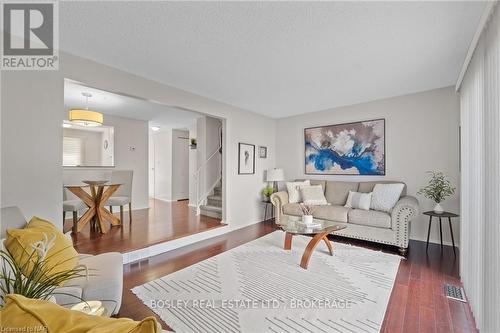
<point x="213" y="208"/>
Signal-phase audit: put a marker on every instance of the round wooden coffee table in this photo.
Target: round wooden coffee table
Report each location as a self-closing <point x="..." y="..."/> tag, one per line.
<point x="293" y="225"/>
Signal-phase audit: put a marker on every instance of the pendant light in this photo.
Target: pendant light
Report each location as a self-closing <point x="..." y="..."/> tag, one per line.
<point x="86" y="117"/>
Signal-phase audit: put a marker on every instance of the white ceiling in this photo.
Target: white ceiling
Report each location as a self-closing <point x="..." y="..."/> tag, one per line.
<point x="278" y="58"/>
<point x="128" y="107"/>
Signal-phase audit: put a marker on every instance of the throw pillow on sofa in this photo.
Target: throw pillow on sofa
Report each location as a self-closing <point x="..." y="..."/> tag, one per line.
<point x="313" y="195"/>
<point x="293" y="189"/>
<point x="385" y="196"/>
<point x="358" y="200"/>
<point x="61" y="256"/>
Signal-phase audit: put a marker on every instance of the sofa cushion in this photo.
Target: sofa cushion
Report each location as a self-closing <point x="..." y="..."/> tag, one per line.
<point x="314" y="182"/>
<point x="336" y="192"/>
<point x="367" y="187"/>
<point x="385" y="196"/>
<point x="371" y="218"/>
<point x="293" y="189"/>
<point x="319" y="182"/>
<point x="331" y="213"/>
<point x="358" y="200"/>
<point x="313" y="195"/>
<point x="292" y="209"/>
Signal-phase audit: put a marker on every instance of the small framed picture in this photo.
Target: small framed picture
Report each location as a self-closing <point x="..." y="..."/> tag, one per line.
<point x="262" y="152"/>
<point x="246" y="159"/>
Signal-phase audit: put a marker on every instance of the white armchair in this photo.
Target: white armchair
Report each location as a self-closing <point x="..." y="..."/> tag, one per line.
<point x="103" y="282"/>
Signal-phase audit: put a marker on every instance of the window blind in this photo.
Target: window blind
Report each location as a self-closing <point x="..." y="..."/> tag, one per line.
<point x="72" y="151"/>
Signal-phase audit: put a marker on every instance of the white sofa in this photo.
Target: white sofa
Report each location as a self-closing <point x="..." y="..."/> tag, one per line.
<point x="104" y="281"/>
<point x="375" y="226"/>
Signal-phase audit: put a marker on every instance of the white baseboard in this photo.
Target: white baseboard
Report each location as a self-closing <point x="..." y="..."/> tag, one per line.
<point x="164" y="200"/>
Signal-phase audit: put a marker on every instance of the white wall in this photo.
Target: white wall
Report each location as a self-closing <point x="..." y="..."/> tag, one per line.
<point x="162" y="157"/>
<point x="421" y="135"/>
<point x="131" y="153"/>
<point x="31" y="143"/>
<point x="180" y="164"/>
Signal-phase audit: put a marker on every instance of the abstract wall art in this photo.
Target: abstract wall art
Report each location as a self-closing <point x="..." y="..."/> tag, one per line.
<point x="346" y="149"/>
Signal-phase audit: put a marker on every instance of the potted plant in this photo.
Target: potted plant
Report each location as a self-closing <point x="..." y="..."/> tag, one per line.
<point x="267" y="192"/>
<point x="307" y="216"/>
<point x="193" y="143"/>
<point x="438" y="188"/>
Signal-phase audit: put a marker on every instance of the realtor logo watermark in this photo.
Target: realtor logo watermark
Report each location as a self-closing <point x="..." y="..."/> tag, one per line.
<point x="30" y="35"/>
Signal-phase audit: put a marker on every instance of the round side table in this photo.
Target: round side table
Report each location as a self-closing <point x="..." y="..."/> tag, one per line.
<point x="448" y="215"/>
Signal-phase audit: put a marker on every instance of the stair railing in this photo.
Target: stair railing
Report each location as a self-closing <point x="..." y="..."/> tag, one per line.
<point x="200" y="178"/>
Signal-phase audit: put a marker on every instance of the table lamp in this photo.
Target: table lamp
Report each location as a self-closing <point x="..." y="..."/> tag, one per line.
<point x="275" y="176"/>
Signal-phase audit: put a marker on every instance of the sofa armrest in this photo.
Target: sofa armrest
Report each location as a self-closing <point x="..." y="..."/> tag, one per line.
<point x="405" y="210"/>
<point x="279" y="199"/>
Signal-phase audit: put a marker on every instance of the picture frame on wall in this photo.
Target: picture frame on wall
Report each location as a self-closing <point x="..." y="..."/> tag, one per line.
<point x="356" y="148"/>
<point x="246" y="159"/>
<point x="262" y="152"/>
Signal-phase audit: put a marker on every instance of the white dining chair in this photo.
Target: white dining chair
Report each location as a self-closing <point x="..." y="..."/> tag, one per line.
<point x="123" y="195"/>
<point x="72" y="204"/>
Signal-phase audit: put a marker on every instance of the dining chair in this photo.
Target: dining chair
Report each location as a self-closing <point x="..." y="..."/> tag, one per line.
<point x="72" y="204"/>
<point x="123" y="195"/>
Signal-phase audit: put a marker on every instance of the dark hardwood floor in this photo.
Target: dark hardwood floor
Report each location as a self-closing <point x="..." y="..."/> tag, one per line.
<point x="417" y="302"/>
<point x="162" y="222"/>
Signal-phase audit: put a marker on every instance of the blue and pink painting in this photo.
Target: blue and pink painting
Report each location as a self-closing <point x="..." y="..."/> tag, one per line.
<point x="346" y="149"/>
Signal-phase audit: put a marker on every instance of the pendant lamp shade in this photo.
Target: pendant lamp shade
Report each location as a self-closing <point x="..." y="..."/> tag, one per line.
<point x="85" y="117"/>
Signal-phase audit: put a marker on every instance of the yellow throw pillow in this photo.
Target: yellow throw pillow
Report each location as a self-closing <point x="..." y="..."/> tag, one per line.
<point x="62" y="256"/>
<point x="21" y="314"/>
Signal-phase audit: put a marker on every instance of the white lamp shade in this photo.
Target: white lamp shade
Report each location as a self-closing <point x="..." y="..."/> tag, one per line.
<point x="275" y="175"/>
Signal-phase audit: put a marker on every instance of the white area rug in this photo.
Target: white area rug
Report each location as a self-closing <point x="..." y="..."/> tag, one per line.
<point x="259" y="287"/>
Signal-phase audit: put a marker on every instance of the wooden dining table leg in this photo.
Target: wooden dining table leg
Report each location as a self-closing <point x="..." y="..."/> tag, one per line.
<point x="93" y="192"/>
<point x="89" y="214"/>
<point x="88" y="199"/>
<point x="104" y="214"/>
<point x="99" y="216"/>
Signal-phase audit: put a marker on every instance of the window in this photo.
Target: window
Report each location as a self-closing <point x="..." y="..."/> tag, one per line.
<point x="72" y="151"/>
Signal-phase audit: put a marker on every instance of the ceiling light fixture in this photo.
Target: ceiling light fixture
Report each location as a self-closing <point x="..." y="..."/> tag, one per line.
<point x="86" y="117"/>
<point x="155" y="128"/>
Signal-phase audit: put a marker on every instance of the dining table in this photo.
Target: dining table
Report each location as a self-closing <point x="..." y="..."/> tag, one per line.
<point x="95" y="194"/>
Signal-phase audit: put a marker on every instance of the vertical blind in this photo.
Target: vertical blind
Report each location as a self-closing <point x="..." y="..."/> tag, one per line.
<point x="480" y="178"/>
